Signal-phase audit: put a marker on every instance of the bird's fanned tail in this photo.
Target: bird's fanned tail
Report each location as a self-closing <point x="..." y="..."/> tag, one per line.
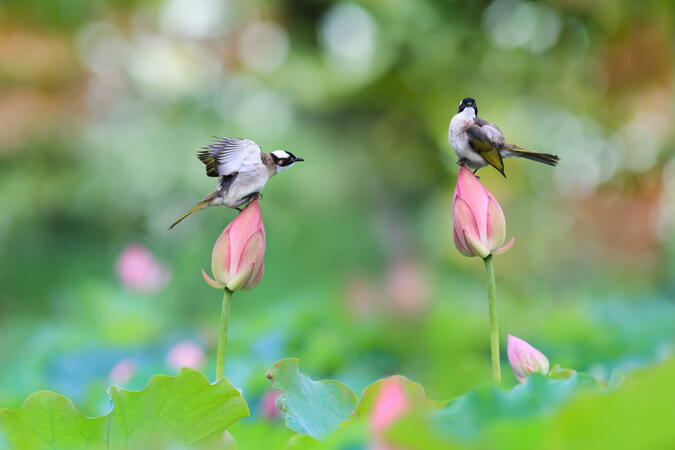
<point x="203" y="204"/>
<point x="546" y="158"/>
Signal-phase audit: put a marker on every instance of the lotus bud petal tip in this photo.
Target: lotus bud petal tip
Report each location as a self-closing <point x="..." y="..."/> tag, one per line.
<point x="237" y="260"/>
<point x="525" y="359"/>
<point x="479" y="225"/>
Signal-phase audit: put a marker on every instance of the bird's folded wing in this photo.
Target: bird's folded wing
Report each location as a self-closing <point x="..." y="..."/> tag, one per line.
<point x="485" y="147"/>
<point x="229" y="155"/>
<point x="490" y="130"/>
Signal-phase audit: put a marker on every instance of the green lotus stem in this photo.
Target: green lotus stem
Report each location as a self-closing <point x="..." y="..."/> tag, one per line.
<point x="494" y="325"/>
<point x="222" y="334"/>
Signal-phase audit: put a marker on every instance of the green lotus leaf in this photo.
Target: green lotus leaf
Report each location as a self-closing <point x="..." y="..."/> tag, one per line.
<point x="314" y="408"/>
<point x="465" y="417"/>
<point x="184" y="409"/>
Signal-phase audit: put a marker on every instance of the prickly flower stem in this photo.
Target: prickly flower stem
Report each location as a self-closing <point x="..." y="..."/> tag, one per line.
<point x="222" y="335"/>
<point x="494" y="325"/>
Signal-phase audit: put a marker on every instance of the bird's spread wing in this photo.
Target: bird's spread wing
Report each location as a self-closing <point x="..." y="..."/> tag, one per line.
<point x="229" y="155"/>
<point x="486" y="140"/>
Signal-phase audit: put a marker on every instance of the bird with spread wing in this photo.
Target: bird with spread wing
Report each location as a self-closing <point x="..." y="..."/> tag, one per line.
<point x="242" y="169"/>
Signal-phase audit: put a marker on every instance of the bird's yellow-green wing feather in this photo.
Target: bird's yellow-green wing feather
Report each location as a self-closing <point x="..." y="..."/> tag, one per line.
<point x="211" y="163"/>
<point x="482" y="145"/>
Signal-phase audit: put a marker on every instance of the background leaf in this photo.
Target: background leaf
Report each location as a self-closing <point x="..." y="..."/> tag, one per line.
<point x="50" y="420"/>
<point x="639" y="414"/>
<point x="315" y="408"/>
<point x="182" y="409"/>
<point x="465" y="417"/>
<point x="263" y="434"/>
<point x="351" y="436"/>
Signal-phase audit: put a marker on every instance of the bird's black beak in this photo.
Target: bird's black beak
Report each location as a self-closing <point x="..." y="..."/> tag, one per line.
<point x="298" y="159"/>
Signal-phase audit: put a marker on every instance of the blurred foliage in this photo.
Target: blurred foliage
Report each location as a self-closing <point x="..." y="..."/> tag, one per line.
<point x="542" y="413"/>
<point x="103" y="105"/>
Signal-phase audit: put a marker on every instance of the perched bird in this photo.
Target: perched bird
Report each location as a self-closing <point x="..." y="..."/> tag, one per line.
<point x="478" y="142"/>
<point x="243" y="170"/>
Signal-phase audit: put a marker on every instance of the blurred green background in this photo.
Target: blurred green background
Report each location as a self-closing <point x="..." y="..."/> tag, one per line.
<point x="104" y="104"/>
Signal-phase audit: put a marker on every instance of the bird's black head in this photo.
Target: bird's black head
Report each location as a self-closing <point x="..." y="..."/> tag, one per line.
<point x="284" y="159"/>
<point x="468" y="103"/>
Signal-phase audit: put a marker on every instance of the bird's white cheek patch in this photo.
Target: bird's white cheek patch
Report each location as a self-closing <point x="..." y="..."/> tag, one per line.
<point x="282" y="168"/>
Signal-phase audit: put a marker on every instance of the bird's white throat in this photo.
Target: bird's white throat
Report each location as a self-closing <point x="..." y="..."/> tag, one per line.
<point x="468" y="113"/>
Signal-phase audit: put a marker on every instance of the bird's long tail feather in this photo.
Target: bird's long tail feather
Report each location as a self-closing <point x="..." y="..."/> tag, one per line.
<point x="203" y="204"/>
<point x="546" y="158"/>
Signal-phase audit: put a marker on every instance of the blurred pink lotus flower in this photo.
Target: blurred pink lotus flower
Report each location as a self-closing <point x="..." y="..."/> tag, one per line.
<point x="185" y="354"/>
<point x="478" y="220"/>
<point x="139" y="270"/>
<point x="237" y="261"/>
<point x="406" y="288"/>
<point x="390" y="405"/>
<point x="122" y="372"/>
<point x="361" y="297"/>
<point x="525" y="359"/>
<point x="268" y="405"/>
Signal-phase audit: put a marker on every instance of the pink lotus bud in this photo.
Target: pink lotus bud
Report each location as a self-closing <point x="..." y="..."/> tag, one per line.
<point x="139" y="270"/>
<point x="122" y="372"/>
<point x="268" y="405"/>
<point x="406" y="288"/>
<point x="185" y="354"/>
<point x="525" y="359"/>
<point x="361" y="297"/>
<point x="479" y="223"/>
<point x="390" y="405"/>
<point x="237" y="261"/>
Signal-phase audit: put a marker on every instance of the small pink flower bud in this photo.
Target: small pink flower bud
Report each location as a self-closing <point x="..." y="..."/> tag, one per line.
<point x="525" y="359"/>
<point x="268" y="405"/>
<point x="478" y="221"/>
<point x="122" y="372"/>
<point x="406" y="288"/>
<point x="237" y="261"/>
<point x="138" y="269"/>
<point x="391" y="404"/>
<point x="185" y="354"/>
<point x="361" y="296"/>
